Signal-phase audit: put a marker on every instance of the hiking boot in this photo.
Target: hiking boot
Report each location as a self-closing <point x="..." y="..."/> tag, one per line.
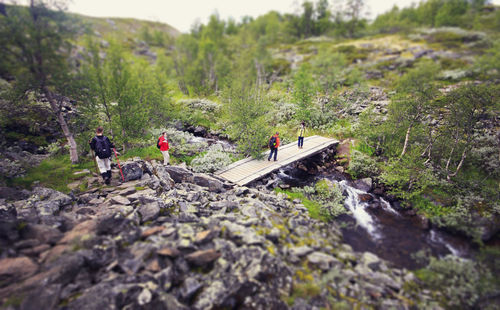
<point x="108" y="177"/>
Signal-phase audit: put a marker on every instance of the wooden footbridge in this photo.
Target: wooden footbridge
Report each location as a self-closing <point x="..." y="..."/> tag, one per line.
<point x="247" y="170"/>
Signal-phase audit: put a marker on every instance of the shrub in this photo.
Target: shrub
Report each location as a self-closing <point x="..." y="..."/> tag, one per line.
<point x="459" y="217"/>
<point x="326" y="197"/>
<point x="331" y="199"/>
<point x="362" y="165"/>
<point x="214" y="159"/>
<point x="462" y="282"/>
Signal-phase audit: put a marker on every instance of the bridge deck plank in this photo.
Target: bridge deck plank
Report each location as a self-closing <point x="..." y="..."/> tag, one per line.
<point x="247" y="170"/>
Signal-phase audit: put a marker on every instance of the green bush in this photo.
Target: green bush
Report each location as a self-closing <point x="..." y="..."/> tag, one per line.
<point x="329" y="195"/>
<point x="362" y="165"/>
<point x="214" y="159"/>
<point x="461" y="282"/>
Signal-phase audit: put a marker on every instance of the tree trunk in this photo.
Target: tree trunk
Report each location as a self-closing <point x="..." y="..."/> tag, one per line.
<point x="407" y="137"/>
<point x="464" y="155"/>
<point x="73" y="153"/>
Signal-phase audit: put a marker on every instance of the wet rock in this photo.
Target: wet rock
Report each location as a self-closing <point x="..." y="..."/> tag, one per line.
<point x="201" y="258"/>
<point x="131" y="171"/>
<point x="364" y="184"/>
<point x="365" y="197"/>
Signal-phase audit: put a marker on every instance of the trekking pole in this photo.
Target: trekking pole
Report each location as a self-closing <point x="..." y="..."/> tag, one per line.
<point x="119" y="165"/>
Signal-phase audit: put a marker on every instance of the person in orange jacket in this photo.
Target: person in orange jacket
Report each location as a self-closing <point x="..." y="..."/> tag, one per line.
<point x="163" y="142"/>
<point x="274" y="143"/>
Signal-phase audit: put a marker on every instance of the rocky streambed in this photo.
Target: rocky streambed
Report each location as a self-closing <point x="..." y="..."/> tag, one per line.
<point x="172" y="239"/>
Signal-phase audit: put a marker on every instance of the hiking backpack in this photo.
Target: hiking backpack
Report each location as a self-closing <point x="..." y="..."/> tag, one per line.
<point x="158" y="144"/>
<point x="102" y="147"/>
<point x="272" y="142"/>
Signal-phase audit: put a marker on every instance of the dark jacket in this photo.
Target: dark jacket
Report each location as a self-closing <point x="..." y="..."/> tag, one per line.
<point x="94" y="140"/>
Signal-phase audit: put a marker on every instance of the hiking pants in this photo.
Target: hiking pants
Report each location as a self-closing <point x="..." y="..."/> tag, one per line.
<point x="166" y="157"/>
<point x="301" y="141"/>
<point x="275" y="151"/>
<point x="103" y="164"/>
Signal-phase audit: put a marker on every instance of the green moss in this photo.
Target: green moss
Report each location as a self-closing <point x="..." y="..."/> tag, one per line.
<point x="21" y="225"/>
<point x="312" y="206"/>
<point x="13" y="301"/>
<point x="54" y="172"/>
<point x="140" y="188"/>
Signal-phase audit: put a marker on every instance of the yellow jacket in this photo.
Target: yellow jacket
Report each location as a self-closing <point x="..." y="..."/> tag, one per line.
<point x="301" y="132"/>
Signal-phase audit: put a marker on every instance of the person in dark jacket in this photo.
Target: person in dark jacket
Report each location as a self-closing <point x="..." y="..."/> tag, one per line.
<point x="274" y="143"/>
<point x="102" y="146"/>
<point x="164" y="146"/>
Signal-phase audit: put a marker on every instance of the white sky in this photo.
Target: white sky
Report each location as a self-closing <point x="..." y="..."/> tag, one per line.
<point x="181" y="14"/>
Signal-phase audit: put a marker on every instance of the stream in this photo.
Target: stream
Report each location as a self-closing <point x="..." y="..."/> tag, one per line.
<point x="377" y="227"/>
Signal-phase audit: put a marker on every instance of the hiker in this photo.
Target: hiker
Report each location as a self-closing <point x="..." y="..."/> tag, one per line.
<point x="102" y="147"/>
<point x="301" y="133"/>
<point x="274" y="142"/>
<point x="163" y="144"/>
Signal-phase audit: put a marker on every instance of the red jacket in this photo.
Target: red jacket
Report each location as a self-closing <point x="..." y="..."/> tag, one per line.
<point x="277" y="140"/>
<point x="163" y="144"/>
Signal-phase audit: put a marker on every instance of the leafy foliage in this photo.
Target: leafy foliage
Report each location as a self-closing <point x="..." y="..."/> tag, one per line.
<point x="214" y="159"/>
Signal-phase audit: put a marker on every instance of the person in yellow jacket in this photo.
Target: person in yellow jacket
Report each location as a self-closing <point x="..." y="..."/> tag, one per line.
<point x="301" y="134"/>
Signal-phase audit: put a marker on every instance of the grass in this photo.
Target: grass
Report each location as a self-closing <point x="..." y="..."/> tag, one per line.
<point x="54" y="172"/>
<point x="303" y="290"/>
<point x="148" y="153"/>
<point x="312" y="206"/>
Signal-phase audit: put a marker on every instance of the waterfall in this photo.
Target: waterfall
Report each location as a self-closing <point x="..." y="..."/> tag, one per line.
<point x="357" y="208"/>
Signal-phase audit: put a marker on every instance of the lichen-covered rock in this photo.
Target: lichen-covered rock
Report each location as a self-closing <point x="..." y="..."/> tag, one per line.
<point x="132" y="171"/>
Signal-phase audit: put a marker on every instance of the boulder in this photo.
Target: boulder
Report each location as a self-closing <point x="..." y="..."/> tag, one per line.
<point x="164" y="177"/>
<point x="15" y="269"/>
<point x="43" y="233"/>
<point x="179" y="174"/>
<point x="213" y="184"/>
<point x="364" y="184"/>
<point x="149" y="211"/>
<point x="132" y="171"/>
<point x="322" y="260"/>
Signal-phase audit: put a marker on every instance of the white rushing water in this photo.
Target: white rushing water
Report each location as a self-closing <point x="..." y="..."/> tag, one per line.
<point x="358" y="210"/>
<point x="437" y="238"/>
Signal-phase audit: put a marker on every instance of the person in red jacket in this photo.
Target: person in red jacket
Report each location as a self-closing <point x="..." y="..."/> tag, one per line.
<point x="274" y="142"/>
<point x="163" y="141"/>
